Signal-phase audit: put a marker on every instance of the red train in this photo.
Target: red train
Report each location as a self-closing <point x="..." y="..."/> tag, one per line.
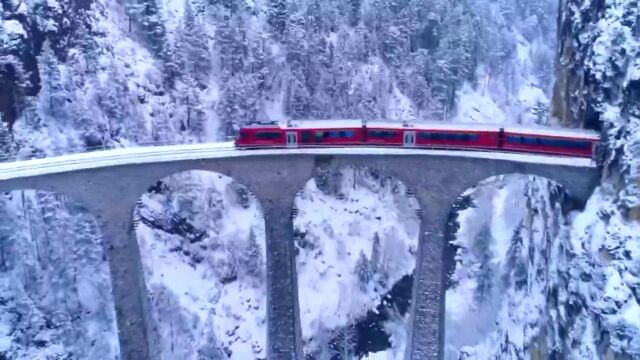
<point x="458" y="136"/>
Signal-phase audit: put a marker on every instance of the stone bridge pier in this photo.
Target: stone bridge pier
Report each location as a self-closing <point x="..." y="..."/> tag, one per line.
<point x="111" y="193"/>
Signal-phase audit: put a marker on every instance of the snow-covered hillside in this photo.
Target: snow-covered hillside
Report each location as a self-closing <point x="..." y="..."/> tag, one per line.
<point x="117" y="73"/>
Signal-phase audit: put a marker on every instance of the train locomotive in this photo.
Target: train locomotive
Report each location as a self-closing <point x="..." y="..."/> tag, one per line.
<point x="422" y="135"/>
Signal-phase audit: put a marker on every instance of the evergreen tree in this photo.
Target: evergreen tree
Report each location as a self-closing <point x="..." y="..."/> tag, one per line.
<point x="277" y="15"/>
<point x="229" y="45"/>
<point x="227" y="108"/>
<point x="442" y="89"/>
<point x="111" y="100"/>
<point x="162" y="131"/>
<point x="314" y="17"/>
<point x="298" y="98"/>
<point x="53" y="96"/>
<point x="252" y="259"/>
<point x="485" y="272"/>
<point x="89" y="47"/>
<point x="258" y="63"/>
<point x="296" y="41"/>
<point x="172" y="63"/>
<point x="194" y="119"/>
<point x="363" y="271"/>
<point x="194" y="47"/>
<point x="6" y="140"/>
<point x="376" y="257"/>
<point x="146" y="13"/>
<point x="354" y="12"/>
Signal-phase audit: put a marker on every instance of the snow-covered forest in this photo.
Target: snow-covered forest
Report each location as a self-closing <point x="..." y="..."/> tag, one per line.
<point x="536" y="275"/>
<point x="80" y="75"/>
<point x="55" y="287"/>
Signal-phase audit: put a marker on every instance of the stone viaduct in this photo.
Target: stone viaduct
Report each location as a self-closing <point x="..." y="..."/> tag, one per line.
<point x="110" y="193"/>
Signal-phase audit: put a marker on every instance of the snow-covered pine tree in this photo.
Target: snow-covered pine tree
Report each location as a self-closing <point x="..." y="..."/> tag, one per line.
<point x="194" y="118"/>
<point x="87" y="42"/>
<point x="277" y="15"/>
<point x="251" y="259"/>
<point x="6" y="141"/>
<point x="363" y="271"/>
<point x="147" y="14"/>
<point x="376" y="256"/>
<point x="296" y="42"/>
<point x="53" y="97"/>
<point x="298" y="98"/>
<point x="354" y="12"/>
<point x="194" y="47"/>
<point x="485" y="273"/>
<point x="230" y="45"/>
<point x="112" y="99"/>
<point x="258" y="63"/>
<point x="227" y="108"/>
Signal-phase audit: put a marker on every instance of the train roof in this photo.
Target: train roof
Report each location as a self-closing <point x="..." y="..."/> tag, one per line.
<point x="429" y="125"/>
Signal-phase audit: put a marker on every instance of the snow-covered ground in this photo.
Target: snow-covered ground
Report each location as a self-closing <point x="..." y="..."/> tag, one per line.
<point x="202" y="242"/>
<point x="357" y="237"/>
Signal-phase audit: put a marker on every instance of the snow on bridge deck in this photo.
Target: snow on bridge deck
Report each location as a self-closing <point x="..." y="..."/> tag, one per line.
<point x="153" y="154"/>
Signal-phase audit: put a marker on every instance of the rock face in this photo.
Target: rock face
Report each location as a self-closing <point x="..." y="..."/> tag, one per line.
<point x="598" y="63"/>
<point x="599" y="87"/>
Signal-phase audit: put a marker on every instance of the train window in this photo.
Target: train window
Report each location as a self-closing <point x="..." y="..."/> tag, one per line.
<point x="438" y="136"/>
<point x="550" y="142"/>
<point x="515" y="139"/>
<point x="571" y="144"/>
<point x="332" y="134"/>
<point x="318" y="136"/>
<point x="583" y="145"/>
<point x="382" y="134"/>
<point x="338" y="134"/>
<point x="271" y="135"/>
<point x="305" y="136"/>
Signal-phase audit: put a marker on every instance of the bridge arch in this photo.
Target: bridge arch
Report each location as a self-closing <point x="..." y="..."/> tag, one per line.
<point x="508" y="226"/>
<point x="55" y="282"/>
<point x="356" y="236"/>
<point x="202" y="243"/>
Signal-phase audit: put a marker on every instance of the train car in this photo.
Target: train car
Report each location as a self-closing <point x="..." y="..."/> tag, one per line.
<point x="324" y="133"/>
<point x="432" y="135"/>
<point x="580" y="143"/>
<point x="457" y="136"/>
<point x="261" y="135"/>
